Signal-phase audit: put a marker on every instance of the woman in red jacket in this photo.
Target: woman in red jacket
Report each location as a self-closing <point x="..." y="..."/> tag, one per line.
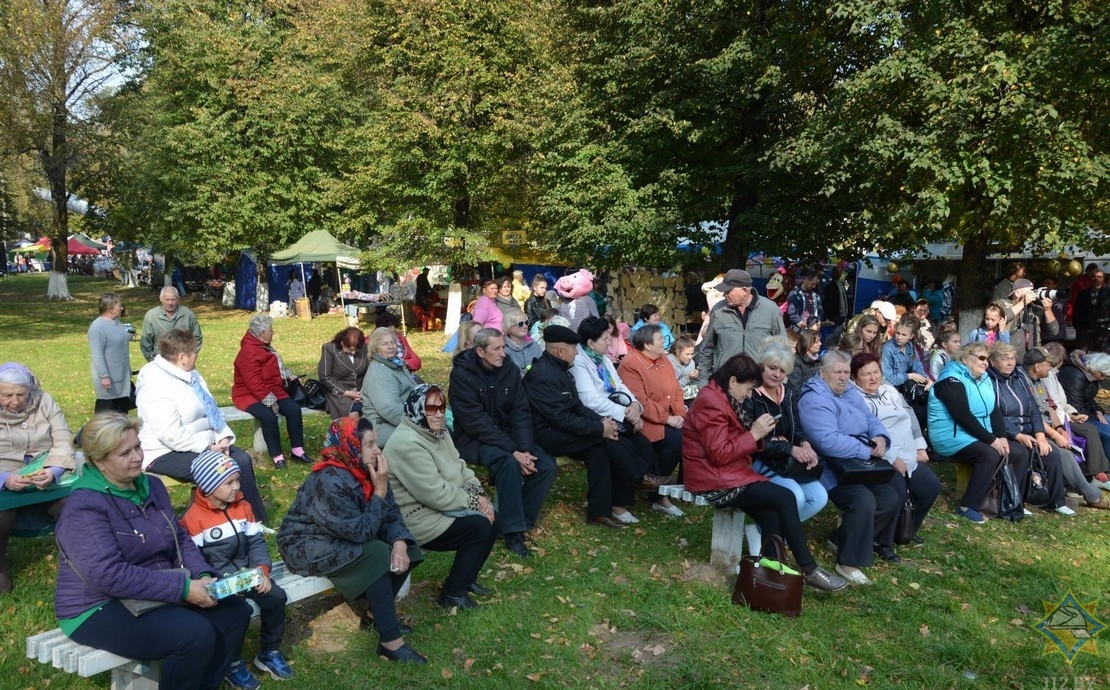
<point x="718" y="442"/>
<point x="259" y="390"/>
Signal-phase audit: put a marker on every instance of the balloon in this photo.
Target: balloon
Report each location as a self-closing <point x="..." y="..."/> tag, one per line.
<point x="1053" y="266"/>
<point x="892" y="267"/>
<point x="1074" y="268"/>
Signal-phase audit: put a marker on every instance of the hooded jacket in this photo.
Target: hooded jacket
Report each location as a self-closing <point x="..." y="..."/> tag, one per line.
<point x="523" y="354"/>
<point x="489" y="407"/>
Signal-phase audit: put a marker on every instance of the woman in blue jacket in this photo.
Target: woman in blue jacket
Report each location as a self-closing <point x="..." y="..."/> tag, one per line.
<point x="119" y="539"/>
<point x="966" y="424"/>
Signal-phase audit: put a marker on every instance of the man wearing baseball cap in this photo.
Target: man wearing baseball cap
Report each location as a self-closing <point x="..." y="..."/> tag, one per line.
<point x="1029" y="317"/>
<point x="739" y="323"/>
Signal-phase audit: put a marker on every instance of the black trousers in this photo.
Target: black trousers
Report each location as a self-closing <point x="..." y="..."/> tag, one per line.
<point x="865" y="512"/>
<point x="775" y="510"/>
<point x="196" y="646"/>
<point x="471" y="538"/>
<point x="668" y="451"/>
<point x="294" y="424"/>
<point x="1021" y="458"/>
<point x="272" y="605"/>
<point x="924" y="486"/>
<point x="613" y="468"/>
<point x="381" y="597"/>
<point x="179" y="466"/>
<point x="122" y="405"/>
<point x="519" y="497"/>
<point x="984" y="461"/>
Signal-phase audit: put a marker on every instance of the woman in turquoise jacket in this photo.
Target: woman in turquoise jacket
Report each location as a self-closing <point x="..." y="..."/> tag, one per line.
<point x="966" y="424"/>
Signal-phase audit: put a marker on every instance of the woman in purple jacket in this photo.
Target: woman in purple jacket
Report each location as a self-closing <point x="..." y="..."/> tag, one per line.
<point x="119" y="539"/>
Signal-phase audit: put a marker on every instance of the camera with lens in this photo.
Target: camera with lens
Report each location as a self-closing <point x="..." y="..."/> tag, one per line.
<point x="1047" y="293"/>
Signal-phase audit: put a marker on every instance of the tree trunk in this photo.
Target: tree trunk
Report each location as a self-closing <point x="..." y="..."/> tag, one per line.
<point x="54" y="164"/>
<point x="734" y="253"/>
<point x="971" y="282"/>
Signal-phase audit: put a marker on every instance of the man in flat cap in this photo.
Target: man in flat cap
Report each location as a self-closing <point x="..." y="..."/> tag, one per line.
<point x="739" y="323"/>
<point x="564" y="425"/>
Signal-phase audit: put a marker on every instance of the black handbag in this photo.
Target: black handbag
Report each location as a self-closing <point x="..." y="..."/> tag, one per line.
<point x="624" y="400"/>
<point x="1004" y="498"/>
<point x="914" y="392"/>
<point x="296" y="391"/>
<point x="314" y="395"/>
<point x="769" y="589"/>
<point x="789" y="468"/>
<point x="1037" y="493"/>
<point x="903" y="530"/>
<point x="861" y="471"/>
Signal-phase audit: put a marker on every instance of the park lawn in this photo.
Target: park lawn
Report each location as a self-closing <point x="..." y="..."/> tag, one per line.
<point x="597" y="608"/>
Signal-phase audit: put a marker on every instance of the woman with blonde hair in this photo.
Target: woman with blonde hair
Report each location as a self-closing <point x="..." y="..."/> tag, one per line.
<point x="386" y="385"/>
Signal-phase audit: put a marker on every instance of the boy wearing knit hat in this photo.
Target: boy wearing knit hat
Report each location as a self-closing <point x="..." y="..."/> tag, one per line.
<point x="223" y="526"/>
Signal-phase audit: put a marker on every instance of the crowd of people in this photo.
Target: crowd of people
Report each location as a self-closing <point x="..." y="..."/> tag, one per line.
<point x="757" y="412"/>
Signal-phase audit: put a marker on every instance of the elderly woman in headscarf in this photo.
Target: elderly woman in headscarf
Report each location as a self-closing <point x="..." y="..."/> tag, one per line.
<point x="345" y="524"/>
<point x="441" y="500"/>
<point x="259" y="390"/>
<point x="32" y="428"/>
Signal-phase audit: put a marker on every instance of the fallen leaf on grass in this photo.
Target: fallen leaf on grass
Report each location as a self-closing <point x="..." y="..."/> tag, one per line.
<point x="924" y="629"/>
<point x="446" y="674"/>
<point x="534" y="677"/>
<point x="468" y="663"/>
<point x="1017" y="621"/>
<point x="1023" y="609"/>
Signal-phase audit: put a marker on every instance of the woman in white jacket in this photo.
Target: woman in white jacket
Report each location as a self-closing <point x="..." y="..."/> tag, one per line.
<point x="182" y="420"/>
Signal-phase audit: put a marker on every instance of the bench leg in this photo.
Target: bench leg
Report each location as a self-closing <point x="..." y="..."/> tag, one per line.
<point x="727" y="547"/>
<point x="259" y="441"/>
<point x="139" y="676"/>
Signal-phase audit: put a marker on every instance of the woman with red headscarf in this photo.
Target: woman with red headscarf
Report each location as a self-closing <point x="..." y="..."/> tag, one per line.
<point x="344" y="524"/>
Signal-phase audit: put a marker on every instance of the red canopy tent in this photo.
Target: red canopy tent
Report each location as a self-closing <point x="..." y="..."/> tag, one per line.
<point x="76" y="247"/>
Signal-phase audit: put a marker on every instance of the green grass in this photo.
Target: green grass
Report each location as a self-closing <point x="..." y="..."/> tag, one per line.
<point x="598" y="608"/>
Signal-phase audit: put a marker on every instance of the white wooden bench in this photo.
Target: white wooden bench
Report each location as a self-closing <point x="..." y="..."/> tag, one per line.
<point x="234" y="414"/>
<point x="55" y="648"/>
<point x="727" y="546"/>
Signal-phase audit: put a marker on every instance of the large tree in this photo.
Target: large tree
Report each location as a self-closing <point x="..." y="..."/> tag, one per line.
<point x="985" y="123"/>
<point x="55" y="55"/>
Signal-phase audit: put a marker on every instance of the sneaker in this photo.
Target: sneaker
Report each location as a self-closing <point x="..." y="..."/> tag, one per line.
<point x="971" y="514"/>
<point x="1064" y="510"/>
<point x="856" y="577"/>
<point x="626" y="517"/>
<point x="239" y="676"/>
<point x="274" y="664"/>
<point x="825" y="581"/>
<point x="1104" y="485"/>
<point x="672" y="510"/>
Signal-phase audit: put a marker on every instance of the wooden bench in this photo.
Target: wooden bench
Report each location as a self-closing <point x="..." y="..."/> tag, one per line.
<point x="729" y="528"/>
<point x="55" y="648"/>
<point x="234" y="414"/>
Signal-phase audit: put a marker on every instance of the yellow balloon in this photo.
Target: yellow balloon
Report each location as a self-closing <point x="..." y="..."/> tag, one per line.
<point x="1074" y="268"/>
<point x="892" y="267"/>
<point x="1053" y="266"/>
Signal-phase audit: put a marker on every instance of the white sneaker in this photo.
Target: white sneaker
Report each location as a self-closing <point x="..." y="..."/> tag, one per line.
<point x="1064" y="510"/>
<point x="672" y="510"/>
<point x="1105" y="486"/>
<point x="1027" y="512"/>
<point x="626" y="517"/>
<point x="855" y="577"/>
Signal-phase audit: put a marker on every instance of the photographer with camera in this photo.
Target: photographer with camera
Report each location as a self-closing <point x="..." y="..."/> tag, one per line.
<point x="1029" y="315"/>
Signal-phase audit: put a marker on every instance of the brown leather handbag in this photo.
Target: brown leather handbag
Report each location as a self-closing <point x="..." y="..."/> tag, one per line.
<point x="763" y="588"/>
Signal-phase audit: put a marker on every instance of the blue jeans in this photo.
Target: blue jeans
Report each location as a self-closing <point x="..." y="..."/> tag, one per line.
<point x="811" y="496"/>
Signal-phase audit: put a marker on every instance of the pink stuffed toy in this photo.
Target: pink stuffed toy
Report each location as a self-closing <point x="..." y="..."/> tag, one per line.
<point x="576" y="288"/>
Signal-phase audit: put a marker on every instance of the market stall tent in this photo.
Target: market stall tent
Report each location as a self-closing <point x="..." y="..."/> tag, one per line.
<point x="320" y="246"/>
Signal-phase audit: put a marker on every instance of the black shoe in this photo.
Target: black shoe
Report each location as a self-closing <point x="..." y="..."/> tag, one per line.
<point x="405" y="654"/>
<point x="917" y="539"/>
<point x="303" y="459"/>
<point x="367" y="623"/>
<point x="887" y="554"/>
<point x="478" y="590"/>
<point x="514" y="544"/>
<point x="463" y="602"/>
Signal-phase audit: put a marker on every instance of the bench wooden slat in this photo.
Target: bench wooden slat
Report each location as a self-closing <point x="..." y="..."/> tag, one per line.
<point x="729" y="530"/>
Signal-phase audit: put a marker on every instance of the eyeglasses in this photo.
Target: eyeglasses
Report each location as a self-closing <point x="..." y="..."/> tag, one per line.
<point x="430" y="409"/>
<point x="521" y="324"/>
<point x="981" y="358"/>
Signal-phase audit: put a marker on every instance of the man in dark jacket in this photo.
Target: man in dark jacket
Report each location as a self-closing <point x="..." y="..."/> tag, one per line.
<point x="1092" y="309"/>
<point x="493" y="428"/>
<point x="561" y="421"/>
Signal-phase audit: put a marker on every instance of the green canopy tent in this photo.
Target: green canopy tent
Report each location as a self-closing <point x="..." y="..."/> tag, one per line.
<point x="320" y="246"/>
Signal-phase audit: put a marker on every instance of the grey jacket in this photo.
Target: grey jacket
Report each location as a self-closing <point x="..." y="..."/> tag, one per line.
<point x="330" y="520"/>
<point x="384" y="391"/>
<point x="728" y="334"/>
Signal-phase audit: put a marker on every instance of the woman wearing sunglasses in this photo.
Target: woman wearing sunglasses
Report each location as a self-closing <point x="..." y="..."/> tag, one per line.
<point x="441" y="500"/>
<point x="519" y="348"/>
<point x="966" y="424"/>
